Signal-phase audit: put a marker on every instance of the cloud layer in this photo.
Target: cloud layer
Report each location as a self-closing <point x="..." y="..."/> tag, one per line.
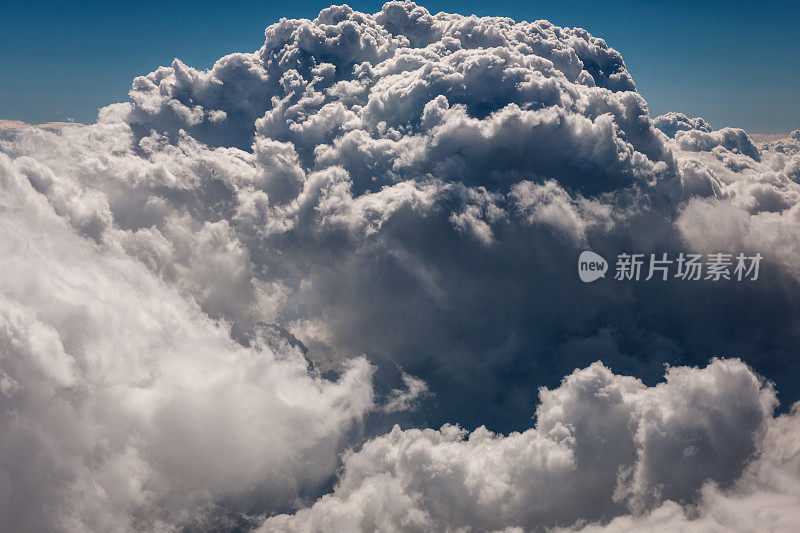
<point x="217" y="288"/>
<point x="603" y="445"/>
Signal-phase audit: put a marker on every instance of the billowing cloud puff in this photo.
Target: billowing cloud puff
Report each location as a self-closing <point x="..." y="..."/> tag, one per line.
<point x="387" y="104"/>
<point x="765" y="498"/>
<point x="194" y="284"/>
<point x="671" y="123"/>
<point x="603" y="446"/>
<point x="124" y="406"/>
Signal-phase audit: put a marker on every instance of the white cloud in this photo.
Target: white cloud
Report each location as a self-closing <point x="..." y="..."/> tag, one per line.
<point x="765" y="498"/>
<point x="603" y="445"/>
<point x="124" y="406"/>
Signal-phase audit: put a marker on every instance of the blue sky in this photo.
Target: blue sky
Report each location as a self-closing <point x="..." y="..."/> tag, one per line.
<point x="734" y="63"/>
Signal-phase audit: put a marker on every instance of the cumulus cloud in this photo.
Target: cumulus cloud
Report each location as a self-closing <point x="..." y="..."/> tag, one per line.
<point x="191" y="282"/>
<point x="671" y="123"/>
<point x="765" y="498"/>
<point x="124" y="406"/>
<point x="603" y="445"/>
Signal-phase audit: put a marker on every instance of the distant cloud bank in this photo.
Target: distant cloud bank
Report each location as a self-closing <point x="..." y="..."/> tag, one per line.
<point x="14" y="125"/>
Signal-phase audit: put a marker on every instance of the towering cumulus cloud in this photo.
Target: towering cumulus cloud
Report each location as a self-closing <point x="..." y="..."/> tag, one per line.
<point x="245" y="298"/>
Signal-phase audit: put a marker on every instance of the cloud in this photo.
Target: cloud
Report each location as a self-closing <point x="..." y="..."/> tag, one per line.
<point x="671" y="123"/>
<point x="7" y="126"/>
<point x="403" y="399"/>
<point x="604" y="440"/>
<point x="412" y="187"/>
<point x="765" y="498"/>
<point x="125" y="407"/>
